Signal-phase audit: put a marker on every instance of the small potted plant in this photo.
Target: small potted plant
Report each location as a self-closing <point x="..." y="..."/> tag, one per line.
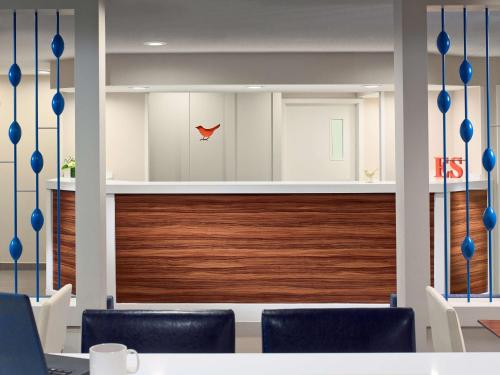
<point x="70" y="163"/>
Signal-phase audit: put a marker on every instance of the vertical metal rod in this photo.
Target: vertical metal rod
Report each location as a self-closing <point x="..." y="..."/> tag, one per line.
<point x="445" y="181"/>
<point x="15" y="150"/>
<point x="466" y="106"/>
<point x="36" y="148"/>
<point x="488" y="126"/>
<point x="58" y="157"/>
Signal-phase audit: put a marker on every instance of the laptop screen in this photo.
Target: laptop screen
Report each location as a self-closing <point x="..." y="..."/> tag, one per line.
<point x="20" y="348"/>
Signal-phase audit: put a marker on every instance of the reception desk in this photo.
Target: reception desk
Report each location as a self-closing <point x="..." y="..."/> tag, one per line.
<point x="275" y="242"/>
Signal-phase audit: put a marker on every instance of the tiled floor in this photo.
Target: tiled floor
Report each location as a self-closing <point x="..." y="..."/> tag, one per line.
<point x="26" y="281"/>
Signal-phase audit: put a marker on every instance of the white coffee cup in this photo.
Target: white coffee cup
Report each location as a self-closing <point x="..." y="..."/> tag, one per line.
<point x="111" y="359"/>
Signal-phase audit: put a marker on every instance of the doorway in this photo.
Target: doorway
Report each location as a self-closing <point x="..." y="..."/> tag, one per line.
<point x="319" y="141"/>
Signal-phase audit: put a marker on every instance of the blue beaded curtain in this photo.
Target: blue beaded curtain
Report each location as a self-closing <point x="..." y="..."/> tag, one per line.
<point x="58" y="107"/>
<point x="466" y="133"/>
<point x="444" y="102"/>
<point x="37" y="219"/>
<point x="15" y="246"/>
<point x="489" y="160"/>
<point x="37" y="166"/>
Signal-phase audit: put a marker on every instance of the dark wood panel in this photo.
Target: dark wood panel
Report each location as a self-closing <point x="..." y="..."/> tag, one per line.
<point x="491" y="325"/>
<point x="178" y="240"/>
<point x="68" y="270"/>
<point x="255" y="248"/>
<point x="479" y="262"/>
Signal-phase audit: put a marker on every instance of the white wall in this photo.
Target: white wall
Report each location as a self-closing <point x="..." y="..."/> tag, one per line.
<point x="167" y="112"/>
<point x="243" y="147"/>
<point x="126" y="135"/>
<point x="179" y="69"/>
<point x="239" y="150"/>
<point x="306" y="133"/>
<point x="455" y="145"/>
<point x="254" y="137"/>
<point x="351" y="68"/>
<point x="206" y="158"/>
<point x="26" y="177"/>
<point x="369" y="130"/>
<point x="390" y="132"/>
<point x="176" y="151"/>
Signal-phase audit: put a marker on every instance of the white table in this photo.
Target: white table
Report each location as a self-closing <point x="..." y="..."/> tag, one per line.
<point x="319" y="364"/>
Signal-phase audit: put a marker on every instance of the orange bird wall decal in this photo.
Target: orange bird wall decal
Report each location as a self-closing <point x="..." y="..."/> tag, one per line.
<point x="207" y="133"/>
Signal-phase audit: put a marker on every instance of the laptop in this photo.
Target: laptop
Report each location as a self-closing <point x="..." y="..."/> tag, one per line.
<point x="20" y="347"/>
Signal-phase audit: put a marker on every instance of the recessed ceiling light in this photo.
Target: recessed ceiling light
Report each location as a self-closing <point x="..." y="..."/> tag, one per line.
<point x="154" y="43"/>
<point x="371" y="86"/>
<point x="44" y="72"/>
<point x="255" y="87"/>
<point x="139" y="87"/>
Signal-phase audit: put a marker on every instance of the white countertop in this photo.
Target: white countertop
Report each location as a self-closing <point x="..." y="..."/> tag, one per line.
<point x="242" y="187"/>
<point x="318" y="364"/>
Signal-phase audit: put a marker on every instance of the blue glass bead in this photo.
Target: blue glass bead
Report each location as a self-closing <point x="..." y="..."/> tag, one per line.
<point x="444" y="101"/>
<point x="57" y="45"/>
<point x="15" y="132"/>
<point x="489" y="159"/>
<point x="466" y="130"/>
<point x="465" y="71"/>
<point x="443" y="42"/>
<point x="37" y="219"/>
<point x="15" y="75"/>
<point x="37" y="161"/>
<point x="489" y="218"/>
<point x="15" y="248"/>
<point x="468" y="248"/>
<point x="58" y="103"/>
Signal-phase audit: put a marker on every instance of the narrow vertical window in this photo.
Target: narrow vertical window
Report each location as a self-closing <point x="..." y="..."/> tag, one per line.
<point x="336" y="140"/>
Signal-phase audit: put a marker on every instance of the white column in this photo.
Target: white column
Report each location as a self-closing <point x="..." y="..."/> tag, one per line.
<point x="90" y="152"/>
<point x="439" y="260"/>
<point x="412" y="168"/>
<point x="382" y="136"/>
<point x="230" y="137"/>
<point x="360" y="154"/>
<point x="277" y="121"/>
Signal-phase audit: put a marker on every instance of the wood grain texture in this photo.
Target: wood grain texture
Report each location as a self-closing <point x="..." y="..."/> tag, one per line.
<point x="255" y="248"/>
<point x="491" y="325"/>
<point x="68" y="264"/>
<point x="189" y="242"/>
<point x="479" y="262"/>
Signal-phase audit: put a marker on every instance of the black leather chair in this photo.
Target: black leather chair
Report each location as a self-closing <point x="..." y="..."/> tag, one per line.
<point x="393" y="300"/>
<point x="350" y="330"/>
<point x="161" y="331"/>
<point x="110" y="302"/>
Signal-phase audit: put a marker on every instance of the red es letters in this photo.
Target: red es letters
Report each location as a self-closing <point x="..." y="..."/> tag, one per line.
<point x="455" y="170"/>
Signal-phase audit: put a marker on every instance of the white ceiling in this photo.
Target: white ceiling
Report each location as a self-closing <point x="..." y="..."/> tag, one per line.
<point x="241" y="26"/>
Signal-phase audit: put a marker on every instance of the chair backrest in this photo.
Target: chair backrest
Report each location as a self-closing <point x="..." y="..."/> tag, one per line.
<point x="445" y="326"/>
<point x="52" y="320"/>
<point x="342" y="330"/>
<point x="154" y="331"/>
<point x="110" y="302"/>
